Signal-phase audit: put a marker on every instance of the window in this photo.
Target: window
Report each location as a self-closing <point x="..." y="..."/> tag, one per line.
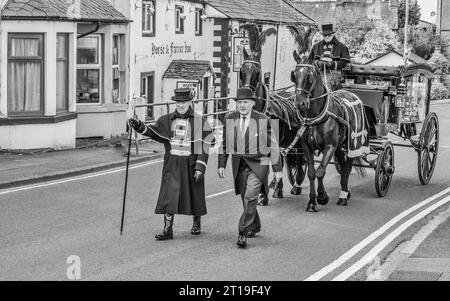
<point x="89" y="69"/>
<point x="25" y="74"/>
<point x="62" y="73"/>
<point x="179" y="19"/>
<point x="198" y="22"/>
<point x="115" y="69"/>
<point x="148" y="18"/>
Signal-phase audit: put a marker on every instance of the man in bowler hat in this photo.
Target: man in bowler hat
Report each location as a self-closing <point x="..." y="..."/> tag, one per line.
<point x="251" y="140"/>
<point x="187" y="138"/>
<point x="331" y="56"/>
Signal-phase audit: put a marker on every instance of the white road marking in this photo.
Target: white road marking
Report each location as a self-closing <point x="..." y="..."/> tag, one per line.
<point x="219" y="194"/>
<point x="383" y="244"/>
<point x="79" y="178"/>
<point x="356" y="249"/>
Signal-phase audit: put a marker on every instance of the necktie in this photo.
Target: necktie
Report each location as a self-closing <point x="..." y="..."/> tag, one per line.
<point x="243" y="126"/>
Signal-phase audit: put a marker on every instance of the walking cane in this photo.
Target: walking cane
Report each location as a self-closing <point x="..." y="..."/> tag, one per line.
<point x="126" y="172"/>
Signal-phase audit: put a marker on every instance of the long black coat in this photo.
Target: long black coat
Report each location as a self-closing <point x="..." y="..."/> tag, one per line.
<point x="261" y="148"/>
<point x="179" y="194"/>
<point x="339" y="53"/>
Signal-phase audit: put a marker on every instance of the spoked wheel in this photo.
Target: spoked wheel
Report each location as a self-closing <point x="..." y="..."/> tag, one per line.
<point x="293" y="162"/>
<point x="429" y="145"/>
<point x="385" y="170"/>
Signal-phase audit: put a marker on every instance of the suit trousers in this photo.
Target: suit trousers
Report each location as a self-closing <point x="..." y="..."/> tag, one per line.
<point x="250" y="187"/>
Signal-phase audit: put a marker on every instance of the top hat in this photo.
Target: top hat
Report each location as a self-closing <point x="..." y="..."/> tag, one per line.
<point x="183" y="95"/>
<point x="327" y="29"/>
<point x="245" y="93"/>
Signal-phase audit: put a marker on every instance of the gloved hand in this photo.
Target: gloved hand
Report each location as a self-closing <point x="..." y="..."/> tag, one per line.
<point x="320" y="64"/>
<point x="198" y="176"/>
<point x="135" y="123"/>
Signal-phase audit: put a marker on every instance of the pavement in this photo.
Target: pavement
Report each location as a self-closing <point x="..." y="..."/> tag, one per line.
<point x="20" y="168"/>
<point x="428" y="258"/>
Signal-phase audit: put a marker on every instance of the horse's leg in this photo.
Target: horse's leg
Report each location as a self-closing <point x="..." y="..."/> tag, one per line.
<point x="278" y="187"/>
<point x="346" y="165"/>
<point x="309" y="154"/>
<point x="300" y="161"/>
<point x="328" y="154"/>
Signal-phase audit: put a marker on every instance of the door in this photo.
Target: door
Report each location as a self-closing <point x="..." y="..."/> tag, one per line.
<point x="148" y="92"/>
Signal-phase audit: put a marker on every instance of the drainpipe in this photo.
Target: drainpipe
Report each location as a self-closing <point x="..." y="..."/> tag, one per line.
<point x="276" y="56"/>
<point x="97" y="27"/>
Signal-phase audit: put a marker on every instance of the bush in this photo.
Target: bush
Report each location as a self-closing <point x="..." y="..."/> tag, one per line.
<point x="439" y="91"/>
<point x="439" y="63"/>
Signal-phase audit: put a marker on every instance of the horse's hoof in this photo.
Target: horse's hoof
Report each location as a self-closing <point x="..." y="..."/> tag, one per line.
<point x="278" y="194"/>
<point x="296" y="191"/>
<point x="342" y="202"/>
<point x="323" y="200"/>
<point x="263" y="201"/>
<point x="311" y="208"/>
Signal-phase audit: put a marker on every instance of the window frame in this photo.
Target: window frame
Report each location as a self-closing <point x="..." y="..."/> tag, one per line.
<point x="145" y="32"/>
<point x="198" y="22"/>
<point x="93" y="67"/>
<point x="66" y="59"/>
<point x="179" y="22"/>
<point x="116" y="66"/>
<point x="41" y="58"/>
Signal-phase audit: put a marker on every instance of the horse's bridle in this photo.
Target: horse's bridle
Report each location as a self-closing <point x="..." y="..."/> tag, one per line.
<point x="258" y="66"/>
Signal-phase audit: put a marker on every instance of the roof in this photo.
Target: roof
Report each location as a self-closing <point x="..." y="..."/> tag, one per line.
<point x="330" y="12"/>
<point x="413" y="57"/>
<point x="261" y="10"/>
<point x="90" y="10"/>
<point x="187" y="69"/>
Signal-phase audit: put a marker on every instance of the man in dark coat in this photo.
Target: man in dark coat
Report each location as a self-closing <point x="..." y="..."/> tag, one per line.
<point x="330" y="55"/>
<point x="187" y="138"/>
<point x="251" y="139"/>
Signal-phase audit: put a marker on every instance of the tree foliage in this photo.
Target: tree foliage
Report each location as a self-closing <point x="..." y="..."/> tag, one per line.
<point x="365" y="39"/>
<point x="414" y="13"/>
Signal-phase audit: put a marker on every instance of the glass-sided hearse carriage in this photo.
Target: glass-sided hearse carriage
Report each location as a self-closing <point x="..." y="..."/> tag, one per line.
<point x="397" y="102"/>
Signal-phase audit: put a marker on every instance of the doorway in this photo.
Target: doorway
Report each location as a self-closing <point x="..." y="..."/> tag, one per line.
<point x="148" y="92"/>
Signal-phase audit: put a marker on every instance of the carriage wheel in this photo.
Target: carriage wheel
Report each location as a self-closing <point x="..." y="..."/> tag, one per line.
<point x="385" y="170"/>
<point x="292" y="162"/>
<point x="429" y="145"/>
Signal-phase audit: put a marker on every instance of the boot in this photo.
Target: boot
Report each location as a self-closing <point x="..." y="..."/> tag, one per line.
<point x="167" y="232"/>
<point x="196" y="225"/>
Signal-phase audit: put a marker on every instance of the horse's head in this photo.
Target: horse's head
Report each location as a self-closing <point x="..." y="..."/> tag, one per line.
<point x="250" y="73"/>
<point x="305" y="79"/>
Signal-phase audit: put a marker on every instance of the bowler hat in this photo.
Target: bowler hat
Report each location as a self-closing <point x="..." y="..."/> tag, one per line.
<point x="183" y="95"/>
<point x="245" y="93"/>
<point x="327" y="29"/>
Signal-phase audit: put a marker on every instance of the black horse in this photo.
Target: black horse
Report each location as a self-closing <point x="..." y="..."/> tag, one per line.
<point x="283" y="110"/>
<point x="324" y="118"/>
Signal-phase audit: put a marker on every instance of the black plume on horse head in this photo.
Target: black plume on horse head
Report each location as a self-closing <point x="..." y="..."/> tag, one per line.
<point x="257" y="39"/>
<point x="303" y="40"/>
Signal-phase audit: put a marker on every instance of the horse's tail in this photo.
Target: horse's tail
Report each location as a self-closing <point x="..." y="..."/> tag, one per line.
<point x="362" y="172"/>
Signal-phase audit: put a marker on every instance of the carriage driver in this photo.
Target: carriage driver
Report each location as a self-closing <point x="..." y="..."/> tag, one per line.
<point x="332" y="56"/>
<point x="187" y="138"/>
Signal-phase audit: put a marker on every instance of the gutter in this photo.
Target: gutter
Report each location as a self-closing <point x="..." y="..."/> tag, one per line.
<point x="97" y="27"/>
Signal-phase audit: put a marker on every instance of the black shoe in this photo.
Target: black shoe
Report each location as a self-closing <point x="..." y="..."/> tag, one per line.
<point x="252" y="233"/>
<point x="242" y="241"/>
<point x="167" y="232"/>
<point x="196" y="226"/>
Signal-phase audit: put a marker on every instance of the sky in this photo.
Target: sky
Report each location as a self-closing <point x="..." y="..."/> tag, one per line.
<point x="428" y="6"/>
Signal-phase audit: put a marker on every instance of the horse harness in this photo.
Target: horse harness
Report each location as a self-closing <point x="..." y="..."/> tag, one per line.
<point x="325" y="114"/>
